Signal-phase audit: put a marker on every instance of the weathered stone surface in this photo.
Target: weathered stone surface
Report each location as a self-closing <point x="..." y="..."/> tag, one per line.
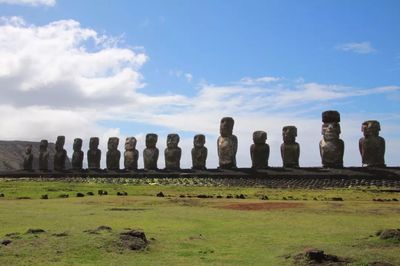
<point x="28" y="158"/>
<point x="113" y="154"/>
<point x="150" y="153"/>
<point x="199" y="152"/>
<point x="259" y="151"/>
<point x="290" y="149"/>
<point x="372" y="146"/>
<point x="131" y="155"/>
<point x="61" y="154"/>
<point x="94" y="154"/>
<point x="77" y="156"/>
<point x="172" y="153"/>
<point x="331" y="147"/>
<point x="43" y="155"/>
<point x="227" y="144"/>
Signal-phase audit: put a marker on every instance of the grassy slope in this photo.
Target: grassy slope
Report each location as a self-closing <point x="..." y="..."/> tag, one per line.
<point x="190" y="230"/>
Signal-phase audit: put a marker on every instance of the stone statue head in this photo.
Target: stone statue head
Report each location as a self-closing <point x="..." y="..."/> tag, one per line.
<point x="289" y="134"/>
<point x="172" y="140"/>
<point x="113" y="143"/>
<point x="28" y="149"/>
<point x="226" y="126"/>
<point x="371" y="128"/>
<point x="331" y="131"/>
<point x="43" y="145"/>
<point x="60" y="143"/>
<point x="130" y="143"/>
<point x="259" y="137"/>
<point x="151" y="140"/>
<point x="77" y="146"/>
<point x="199" y="140"/>
<point x="331" y="127"/>
<point x="93" y="143"/>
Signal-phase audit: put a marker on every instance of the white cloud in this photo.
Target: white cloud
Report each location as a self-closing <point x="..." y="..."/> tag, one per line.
<point x="188" y="77"/>
<point x="357" y="47"/>
<point x="181" y="74"/>
<point x="61" y="78"/>
<point x="29" y="2"/>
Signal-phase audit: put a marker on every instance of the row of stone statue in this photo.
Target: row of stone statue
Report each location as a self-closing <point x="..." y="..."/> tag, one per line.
<point x="372" y="149"/>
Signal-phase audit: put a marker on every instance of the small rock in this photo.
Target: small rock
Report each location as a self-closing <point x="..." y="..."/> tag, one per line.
<point x="80" y="195"/>
<point x="337" y="199"/>
<point x="390" y="234"/>
<point x="134" y="239"/>
<point x="202" y="196"/>
<point x="1" y="195"/>
<point x="264" y="197"/>
<point x="123" y="193"/>
<point x="219" y="197"/>
<point x="229" y="196"/>
<point x="315" y="255"/>
<point x="160" y="194"/>
<point x="102" y="192"/>
<point x="182" y="196"/>
<point x="90" y="193"/>
<point x="44" y="197"/>
<point x="6" y="242"/>
<point x="35" y="231"/>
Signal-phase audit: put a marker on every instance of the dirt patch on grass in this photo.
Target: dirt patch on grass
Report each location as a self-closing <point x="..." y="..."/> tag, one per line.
<point x="264" y="206"/>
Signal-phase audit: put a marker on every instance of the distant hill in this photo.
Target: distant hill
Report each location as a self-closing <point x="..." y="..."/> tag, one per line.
<point x="11" y="154"/>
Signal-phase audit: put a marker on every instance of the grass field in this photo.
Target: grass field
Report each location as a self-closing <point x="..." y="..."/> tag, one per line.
<point x="186" y="230"/>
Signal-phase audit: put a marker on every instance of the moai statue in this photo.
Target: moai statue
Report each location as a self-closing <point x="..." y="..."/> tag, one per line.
<point x="150" y="153"/>
<point x="61" y="154"/>
<point x="290" y="149"/>
<point x="199" y="152"/>
<point x="172" y="153"/>
<point x="77" y="156"/>
<point x="331" y="147"/>
<point x="372" y="146"/>
<point x="131" y="155"/>
<point x="113" y="154"/>
<point x="227" y="144"/>
<point x="94" y="154"/>
<point x="43" y="155"/>
<point x="28" y="158"/>
<point x="259" y="151"/>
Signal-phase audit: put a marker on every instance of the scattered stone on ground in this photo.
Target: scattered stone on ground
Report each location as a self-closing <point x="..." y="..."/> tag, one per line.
<point x="219" y="197"/>
<point x="126" y="209"/>
<point x="261" y="206"/>
<point x="24" y="198"/>
<point x="134" y="239"/>
<point x="229" y="196"/>
<point x="60" y="234"/>
<point x="98" y="229"/>
<point x="63" y="196"/>
<point x="35" y="231"/>
<point x="123" y="193"/>
<point x="45" y="196"/>
<point x="5" y="242"/>
<point x="90" y="193"/>
<point x="182" y="196"/>
<point x="160" y="194"/>
<point x="1" y="195"/>
<point x="241" y="196"/>
<point x="80" y="195"/>
<point x="314" y="257"/>
<point x="264" y="197"/>
<point x="337" y="199"/>
<point x="202" y="196"/>
<point x="393" y="234"/>
<point x="102" y="192"/>
<point x="13" y="235"/>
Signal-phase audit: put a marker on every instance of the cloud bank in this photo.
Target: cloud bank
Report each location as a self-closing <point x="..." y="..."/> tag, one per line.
<point x="64" y="79"/>
<point x="29" y="2"/>
<point x="357" y="47"/>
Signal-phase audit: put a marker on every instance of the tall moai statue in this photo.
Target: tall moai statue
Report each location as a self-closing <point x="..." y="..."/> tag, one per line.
<point x="172" y="153"/>
<point x="199" y="152"/>
<point x="28" y="158"/>
<point x="94" y="154"/>
<point x="227" y="144"/>
<point x="372" y="146"/>
<point x="113" y="154"/>
<point x="131" y="155"/>
<point x="290" y="149"/>
<point x="150" y="153"/>
<point x="331" y="147"/>
<point x="77" y="156"/>
<point x="61" y="154"/>
<point x="43" y="155"/>
<point x="259" y="151"/>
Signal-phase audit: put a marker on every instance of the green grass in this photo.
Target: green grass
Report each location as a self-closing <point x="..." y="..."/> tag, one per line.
<point x="192" y="231"/>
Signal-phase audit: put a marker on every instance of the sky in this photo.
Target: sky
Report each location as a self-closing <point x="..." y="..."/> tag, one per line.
<point x="128" y="68"/>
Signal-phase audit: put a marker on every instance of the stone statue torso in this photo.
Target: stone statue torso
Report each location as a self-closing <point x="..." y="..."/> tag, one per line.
<point x="172" y="158"/>
<point x="372" y="151"/>
<point x="227" y="148"/>
<point x="77" y="160"/>
<point x="94" y="157"/>
<point x="131" y="159"/>
<point x="290" y="154"/>
<point x="112" y="159"/>
<point x="259" y="155"/>
<point x="199" y="157"/>
<point x="332" y="152"/>
<point x="59" y="159"/>
<point x="44" y="160"/>
<point x="28" y="161"/>
<point x="150" y="157"/>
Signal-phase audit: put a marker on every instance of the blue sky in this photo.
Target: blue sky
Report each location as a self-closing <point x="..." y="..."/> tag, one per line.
<point x="271" y="62"/>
